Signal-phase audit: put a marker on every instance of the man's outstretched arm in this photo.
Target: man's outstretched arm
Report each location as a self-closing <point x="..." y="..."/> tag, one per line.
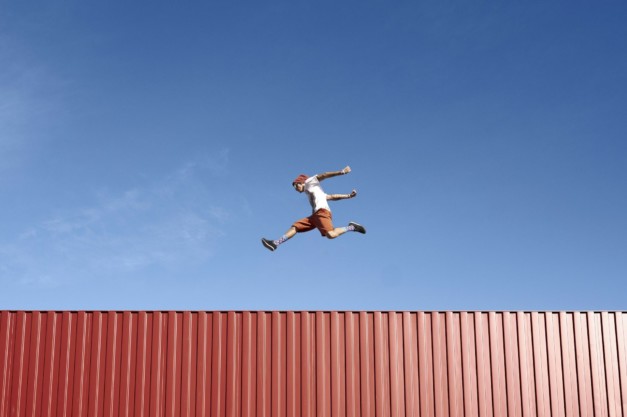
<point x="341" y="196"/>
<point x="330" y="174"/>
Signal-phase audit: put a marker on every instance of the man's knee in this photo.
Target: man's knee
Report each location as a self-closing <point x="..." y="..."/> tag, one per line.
<point x="331" y="234"/>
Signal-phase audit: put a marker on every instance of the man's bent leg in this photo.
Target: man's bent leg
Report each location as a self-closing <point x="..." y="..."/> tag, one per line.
<point x="337" y="232"/>
<point x="352" y="227"/>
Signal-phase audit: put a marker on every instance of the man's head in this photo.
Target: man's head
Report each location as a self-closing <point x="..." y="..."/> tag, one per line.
<point x="299" y="183"/>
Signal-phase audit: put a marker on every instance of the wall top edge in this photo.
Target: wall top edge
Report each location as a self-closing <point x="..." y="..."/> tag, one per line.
<point x="316" y="311"/>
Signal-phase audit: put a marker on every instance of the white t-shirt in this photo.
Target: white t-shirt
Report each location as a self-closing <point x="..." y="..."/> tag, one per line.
<point x="317" y="197"/>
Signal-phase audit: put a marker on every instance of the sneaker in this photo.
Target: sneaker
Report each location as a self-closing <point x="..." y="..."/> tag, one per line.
<point x="358" y="227"/>
<point x="269" y="244"/>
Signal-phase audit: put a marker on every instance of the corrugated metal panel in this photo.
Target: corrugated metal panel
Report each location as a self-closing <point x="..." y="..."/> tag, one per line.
<point x="313" y="364"/>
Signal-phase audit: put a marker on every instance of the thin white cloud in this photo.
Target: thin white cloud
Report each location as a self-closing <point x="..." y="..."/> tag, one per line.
<point x="218" y="163"/>
<point x="31" y="99"/>
<point x="219" y="213"/>
<point x="172" y="222"/>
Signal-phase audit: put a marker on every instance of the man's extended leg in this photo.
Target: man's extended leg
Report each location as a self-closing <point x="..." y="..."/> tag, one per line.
<point x="299" y="226"/>
<point x="273" y="244"/>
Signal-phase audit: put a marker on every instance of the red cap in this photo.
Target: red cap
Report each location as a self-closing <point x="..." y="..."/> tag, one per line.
<point x="300" y="179"/>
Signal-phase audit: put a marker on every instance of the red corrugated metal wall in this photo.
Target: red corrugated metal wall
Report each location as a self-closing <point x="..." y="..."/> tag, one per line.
<point x="324" y="364"/>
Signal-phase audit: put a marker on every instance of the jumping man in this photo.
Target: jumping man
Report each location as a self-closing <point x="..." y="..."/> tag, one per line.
<point x="321" y="218"/>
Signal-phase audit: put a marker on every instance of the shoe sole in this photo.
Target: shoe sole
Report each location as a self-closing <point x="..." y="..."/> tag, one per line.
<point x="267" y="245"/>
<point x="357" y="225"/>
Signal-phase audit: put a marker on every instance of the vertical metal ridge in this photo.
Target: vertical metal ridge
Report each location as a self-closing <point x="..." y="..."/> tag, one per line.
<point x="173" y="362"/>
<point x="569" y="365"/>
<point x="65" y="364"/>
<point x="512" y="368"/>
<point x="293" y="394"/>
<point x="610" y="356"/>
<point x="323" y="364"/>
<point x="469" y="367"/>
<point x="454" y="361"/>
<point x="598" y="376"/>
<point x="338" y="364"/>
<point x="278" y="364"/>
<point x="94" y="384"/>
<point x="18" y="364"/>
<point x="249" y="364"/>
<point x="51" y="366"/>
<point x="440" y="365"/>
<point x="556" y="365"/>
<point x="111" y="387"/>
<point x="81" y="370"/>
<point x="308" y="345"/>
<point x="141" y="365"/>
<point x="157" y="379"/>
<point x="397" y="365"/>
<point x="205" y="344"/>
<point x="218" y="365"/>
<point x="264" y="365"/>
<point x="6" y="355"/>
<point x="352" y="360"/>
<point x="540" y="374"/>
<point x="584" y="365"/>
<point x="621" y="336"/>
<point x="367" y="367"/>
<point x="127" y="360"/>
<point x="482" y="341"/>
<point x="410" y="362"/>
<point x="552" y="365"/>
<point x="382" y="365"/>
<point x="233" y="365"/>
<point x="425" y="358"/>
<point x="497" y="363"/>
<point x="188" y="363"/>
<point x="33" y="382"/>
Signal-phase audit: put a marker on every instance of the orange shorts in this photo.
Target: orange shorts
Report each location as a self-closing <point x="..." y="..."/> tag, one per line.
<point x="321" y="220"/>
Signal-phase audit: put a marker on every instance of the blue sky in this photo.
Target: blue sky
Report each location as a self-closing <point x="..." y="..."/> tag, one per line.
<point x="146" y="147"/>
